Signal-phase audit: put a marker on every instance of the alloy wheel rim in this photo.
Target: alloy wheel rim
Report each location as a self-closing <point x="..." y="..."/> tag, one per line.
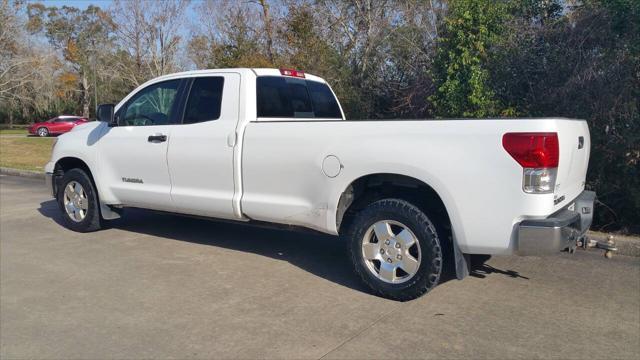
<point x="391" y="251"/>
<point x="76" y="203"/>
<point x="42" y="132"/>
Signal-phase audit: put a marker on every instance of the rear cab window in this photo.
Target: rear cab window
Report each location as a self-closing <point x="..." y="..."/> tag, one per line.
<point x="289" y="97"/>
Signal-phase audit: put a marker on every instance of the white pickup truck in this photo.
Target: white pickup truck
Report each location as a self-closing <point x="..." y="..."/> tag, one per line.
<point x="273" y="146"/>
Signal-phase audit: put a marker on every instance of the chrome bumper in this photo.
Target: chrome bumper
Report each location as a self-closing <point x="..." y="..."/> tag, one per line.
<point x="48" y="182"/>
<point x="559" y="231"/>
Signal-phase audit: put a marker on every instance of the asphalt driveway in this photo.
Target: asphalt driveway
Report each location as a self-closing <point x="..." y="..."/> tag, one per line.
<point x="162" y="286"/>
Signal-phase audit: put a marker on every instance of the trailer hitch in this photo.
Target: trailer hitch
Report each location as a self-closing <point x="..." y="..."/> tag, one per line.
<point x="608" y="246"/>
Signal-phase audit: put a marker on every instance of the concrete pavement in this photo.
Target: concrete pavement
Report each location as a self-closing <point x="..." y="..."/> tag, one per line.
<point x="163" y="286"/>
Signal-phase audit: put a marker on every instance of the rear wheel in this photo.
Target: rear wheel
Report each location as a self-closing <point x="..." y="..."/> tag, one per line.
<point x="78" y="201"/>
<point x="395" y="249"/>
<point x="43" y="132"/>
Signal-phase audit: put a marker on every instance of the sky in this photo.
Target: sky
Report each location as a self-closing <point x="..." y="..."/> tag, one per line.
<point x="104" y="4"/>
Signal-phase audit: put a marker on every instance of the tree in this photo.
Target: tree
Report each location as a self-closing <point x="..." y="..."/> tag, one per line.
<point x="149" y="34"/>
<point x="460" y="70"/>
<point x="582" y="62"/>
<point x="380" y="45"/>
<point x="26" y="84"/>
<point x="14" y="59"/>
<point x="268" y="29"/>
<point x="78" y="34"/>
<point x="232" y="35"/>
<point x="411" y="49"/>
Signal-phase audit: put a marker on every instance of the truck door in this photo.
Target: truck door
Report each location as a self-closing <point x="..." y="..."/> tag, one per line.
<point x="200" y="152"/>
<point x="133" y="155"/>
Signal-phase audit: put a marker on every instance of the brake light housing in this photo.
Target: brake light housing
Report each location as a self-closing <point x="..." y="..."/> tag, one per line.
<point x="292" y="72"/>
<point x="539" y="156"/>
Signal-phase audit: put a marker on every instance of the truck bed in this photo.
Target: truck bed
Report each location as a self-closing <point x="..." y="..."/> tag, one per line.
<point x="462" y="160"/>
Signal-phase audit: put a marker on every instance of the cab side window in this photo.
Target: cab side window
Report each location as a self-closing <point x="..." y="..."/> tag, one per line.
<point x="153" y="105"/>
<point x="205" y="100"/>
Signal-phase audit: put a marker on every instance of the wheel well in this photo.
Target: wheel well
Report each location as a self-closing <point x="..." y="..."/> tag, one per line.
<point x="370" y="188"/>
<point x="67" y="163"/>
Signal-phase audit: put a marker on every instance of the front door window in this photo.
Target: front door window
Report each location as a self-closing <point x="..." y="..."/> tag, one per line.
<point x="153" y="105"/>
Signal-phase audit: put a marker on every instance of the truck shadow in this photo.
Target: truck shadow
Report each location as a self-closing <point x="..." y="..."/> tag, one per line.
<point x="322" y="255"/>
<point x="479" y="269"/>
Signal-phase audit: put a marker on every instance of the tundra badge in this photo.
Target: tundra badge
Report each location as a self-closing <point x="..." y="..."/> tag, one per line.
<point x="132" y="180"/>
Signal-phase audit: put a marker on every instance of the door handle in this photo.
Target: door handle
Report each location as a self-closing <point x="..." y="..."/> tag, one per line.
<point x="157" y="138"/>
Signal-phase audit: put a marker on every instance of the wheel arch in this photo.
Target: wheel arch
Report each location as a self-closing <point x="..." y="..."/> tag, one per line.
<point x="67" y="163"/>
<point x="71" y="162"/>
<point x="368" y="188"/>
<point x="372" y="187"/>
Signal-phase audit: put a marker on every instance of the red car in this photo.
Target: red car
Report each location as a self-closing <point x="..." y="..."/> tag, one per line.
<point x="58" y="125"/>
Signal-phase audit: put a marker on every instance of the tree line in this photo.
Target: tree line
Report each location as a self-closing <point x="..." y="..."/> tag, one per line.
<point x="384" y="59"/>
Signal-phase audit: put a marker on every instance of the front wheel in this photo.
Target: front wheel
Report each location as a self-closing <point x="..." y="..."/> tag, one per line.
<point x="395" y="249"/>
<point x="43" y="132"/>
<point x="78" y="201"/>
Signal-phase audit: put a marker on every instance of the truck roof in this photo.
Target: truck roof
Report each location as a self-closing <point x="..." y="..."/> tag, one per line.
<point x="247" y="72"/>
<point x="256" y="71"/>
<point x="276" y="72"/>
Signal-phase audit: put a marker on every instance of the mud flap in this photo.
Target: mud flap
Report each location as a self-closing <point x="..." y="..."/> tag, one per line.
<point x="462" y="261"/>
<point x="109" y="213"/>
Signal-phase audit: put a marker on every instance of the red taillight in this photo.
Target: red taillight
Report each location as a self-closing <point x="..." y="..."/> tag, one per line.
<point x="291" y="72"/>
<point x="533" y="150"/>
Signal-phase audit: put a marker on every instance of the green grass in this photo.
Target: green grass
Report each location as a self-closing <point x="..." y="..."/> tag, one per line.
<point x="25" y="153"/>
<point x="13" y="132"/>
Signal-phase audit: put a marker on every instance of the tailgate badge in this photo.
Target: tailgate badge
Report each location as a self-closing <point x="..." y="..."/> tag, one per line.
<point x="580" y="142"/>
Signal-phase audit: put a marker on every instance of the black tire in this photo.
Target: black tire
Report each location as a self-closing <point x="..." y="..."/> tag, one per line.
<point x="42" y="132"/>
<point x="92" y="219"/>
<point x="430" y="268"/>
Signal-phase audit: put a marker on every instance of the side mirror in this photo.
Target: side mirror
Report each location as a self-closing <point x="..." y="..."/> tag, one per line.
<point x="105" y="113"/>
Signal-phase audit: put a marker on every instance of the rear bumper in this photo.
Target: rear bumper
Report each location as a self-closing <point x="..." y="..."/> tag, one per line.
<point x="559" y="231"/>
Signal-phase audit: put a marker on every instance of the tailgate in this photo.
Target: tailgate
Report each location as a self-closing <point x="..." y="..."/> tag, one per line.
<point x="575" y="145"/>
